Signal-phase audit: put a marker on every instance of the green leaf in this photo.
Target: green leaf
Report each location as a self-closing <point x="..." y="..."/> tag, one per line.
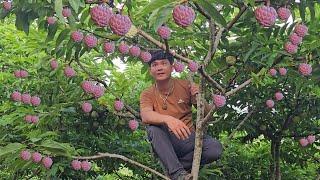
<point x="162" y="16"/>
<point x="57" y="148"/>
<point x="52" y="32"/>
<point x="75" y="4"/>
<point x="10" y="148"/>
<point x="58" y="8"/>
<point x="153" y="5"/>
<point x="302" y="10"/>
<point x="311" y="9"/>
<point x="224" y="2"/>
<point x="253" y="48"/>
<point x="212" y="11"/>
<point x="62" y="36"/>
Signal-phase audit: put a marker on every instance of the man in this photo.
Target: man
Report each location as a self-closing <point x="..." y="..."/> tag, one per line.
<point x="166" y="108"/>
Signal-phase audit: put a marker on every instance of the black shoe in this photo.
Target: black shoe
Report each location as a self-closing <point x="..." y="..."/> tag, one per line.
<point x="184" y="176"/>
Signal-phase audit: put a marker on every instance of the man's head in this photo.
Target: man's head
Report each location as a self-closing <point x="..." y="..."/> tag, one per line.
<point x="160" y="54"/>
<point x="161" y="65"/>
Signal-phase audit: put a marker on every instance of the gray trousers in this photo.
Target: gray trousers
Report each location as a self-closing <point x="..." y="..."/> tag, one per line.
<point x="177" y="155"/>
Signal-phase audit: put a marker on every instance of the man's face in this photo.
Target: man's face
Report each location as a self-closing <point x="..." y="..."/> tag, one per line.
<point x="161" y="69"/>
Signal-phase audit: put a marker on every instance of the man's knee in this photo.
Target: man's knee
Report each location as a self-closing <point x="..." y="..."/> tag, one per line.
<point x="154" y="131"/>
<point x="213" y="151"/>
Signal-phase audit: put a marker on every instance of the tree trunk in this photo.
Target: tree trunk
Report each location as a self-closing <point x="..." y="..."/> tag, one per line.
<point x="199" y="131"/>
<point x="275" y="172"/>
<point x="277" y="160"/>
<point x="272" y="163"/>
<point x="197" y="153"/>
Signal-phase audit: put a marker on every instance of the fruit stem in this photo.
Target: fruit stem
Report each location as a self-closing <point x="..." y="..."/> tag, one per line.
<point x="267" y="2"/>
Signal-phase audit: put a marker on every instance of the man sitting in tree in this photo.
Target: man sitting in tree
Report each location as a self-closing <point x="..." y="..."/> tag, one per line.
<point x="166" y="108"/>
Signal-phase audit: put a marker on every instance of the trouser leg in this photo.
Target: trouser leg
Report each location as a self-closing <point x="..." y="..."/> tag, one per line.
<point x="158" y="136"/>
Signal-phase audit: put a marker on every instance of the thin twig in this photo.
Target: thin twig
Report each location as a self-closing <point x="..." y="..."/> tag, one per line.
<point x="212" y="81"/>
<point x="162" y="46"/>
<point x="240" y="124"/>
<point x="117" y="156"/>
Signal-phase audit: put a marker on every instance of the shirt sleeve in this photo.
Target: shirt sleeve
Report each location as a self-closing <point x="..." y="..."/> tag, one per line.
<point x="146" y="103"/>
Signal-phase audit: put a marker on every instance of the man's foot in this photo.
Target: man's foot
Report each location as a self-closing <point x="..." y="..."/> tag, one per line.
<point x="184" y="176"/>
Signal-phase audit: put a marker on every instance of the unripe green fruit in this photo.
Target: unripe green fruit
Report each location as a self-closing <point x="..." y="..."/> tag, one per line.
<point x="95" y="124"/>
<point x="231" y="60"/>
<point x="296" y="119"/>
<point x="122" y="122"/>
<point x="94" y="114"/>
<point x="263" y="127"/>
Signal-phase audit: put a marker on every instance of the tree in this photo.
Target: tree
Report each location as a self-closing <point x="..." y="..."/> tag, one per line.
<point x="221" y="46"/>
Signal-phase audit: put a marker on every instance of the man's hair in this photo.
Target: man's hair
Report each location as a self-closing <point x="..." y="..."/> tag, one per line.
<point x="160" y="54"/>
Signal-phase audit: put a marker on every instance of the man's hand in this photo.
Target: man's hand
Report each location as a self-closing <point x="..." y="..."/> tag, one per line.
<point x="178" y="128"/>
<point x="194" y="89"/>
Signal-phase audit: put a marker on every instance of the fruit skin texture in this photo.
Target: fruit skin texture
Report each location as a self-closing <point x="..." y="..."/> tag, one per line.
<point x="303" y="142"/>
<point x="51" y="20"/>
<point x="36" y="157"/>
<point x="120" y="24"/>
<point x="26" y="98"/>
<point x="273" y="72"/>
<point x="118" y="105"/>
<point x="178" y="66"/>
<point x="69" y="72"/>
<point x="16" y="96"/>
<point x="91" y="41"/>
<point x="291" y="48"/>
<point x="135" y="51"/>
<point x="66" y="12"/>
<point x="108" y="47"/>
<point x="164" y="32"/>
<point x="35" y="100"/>
<point x="86" y="107"/>
<point x="282" y="71"/>
<point x="183" y="15"/>
<point x="278" y="96"/>
<point x="301" y="30"/>
<point x="28" y="118"/>
<point x="193" y="66"/>
<point x="77" y="36"/>
<point x="270" y="103"/>
<point x="123" y="48"/>
<point x="311" y="139"/>
<point x="25" y="155"/>
<point x="6" y="5"/>
<point x="54" y="64"/>
<point x="266" y="16"/>
<point x="219" y="100"/>
<point x="85" y="165"/>
<point x="101" y="15"/>
<point x="145" y="56"/>
<point x="305" y="69"/>
<point x="284" y="13"/>
<point x="76" y="165"/>
<point x="133" y="124"/>
<point x="87" y="86"/>
<point x="295" y="39"/>
<point x="47" y="162"/>
<point x="98" y="91"/>
<point x="34" y="119"/>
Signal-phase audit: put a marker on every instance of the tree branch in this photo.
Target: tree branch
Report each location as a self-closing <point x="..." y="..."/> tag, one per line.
<point x="212" y="81"/>
<point x="233" y="91"/>
<point x="236" y="18"/>
<point x="117" y="156"/>
<point x="131" y="110"/>
<point x="240" y="124"/>
<point x="162" y="46"/>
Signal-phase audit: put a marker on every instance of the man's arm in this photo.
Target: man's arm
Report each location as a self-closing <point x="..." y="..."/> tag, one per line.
<point x="149" y="116"/>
